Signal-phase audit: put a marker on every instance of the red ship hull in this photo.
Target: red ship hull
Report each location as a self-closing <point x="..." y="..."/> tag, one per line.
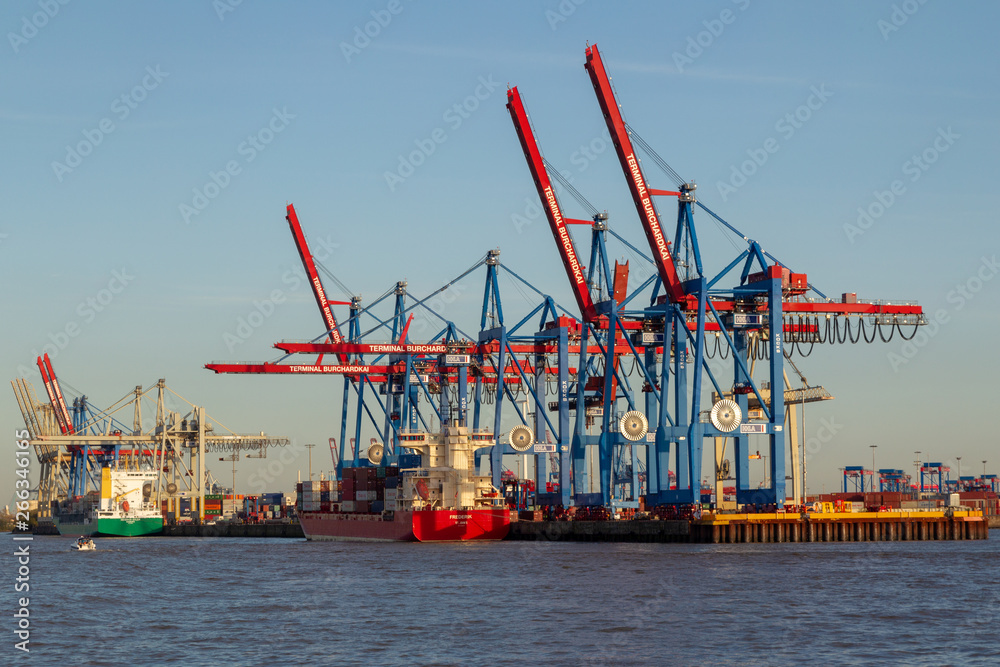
<point x="418" y="526"/>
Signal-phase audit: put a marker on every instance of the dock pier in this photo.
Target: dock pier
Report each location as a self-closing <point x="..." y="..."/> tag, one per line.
<point x="899" y="526"/>
<point x="235" y="530"/>
<point x="840" y="527"/>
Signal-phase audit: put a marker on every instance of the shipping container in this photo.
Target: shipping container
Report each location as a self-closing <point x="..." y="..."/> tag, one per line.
<point x="391" y="482"/>
<point x="391" y="494"/>
<point x="377" y="507"/>
<point x="409" y="461"/>
<point x="348" y="506"/>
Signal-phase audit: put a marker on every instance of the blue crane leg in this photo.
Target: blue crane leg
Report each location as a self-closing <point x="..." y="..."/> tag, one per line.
<point x="565" y="458"/>
<point x="777" y="436"/>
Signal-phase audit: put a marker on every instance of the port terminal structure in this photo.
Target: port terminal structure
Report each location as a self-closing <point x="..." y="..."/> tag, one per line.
<point x="934" y="478"/>
<point x="622" y="374"/>
<point x="74" y="442"/>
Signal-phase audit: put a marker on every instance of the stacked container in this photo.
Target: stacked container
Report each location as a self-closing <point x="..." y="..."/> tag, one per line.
<point x="363" y="490"/>
<point x="363" y="486"/>
<point x="272" y="499"/>
<point x="213" y="505"/>
<point x="324" y="495"/>
<point x="229" y="505"/>
<point x="347" y="490"/>
<point x="311" y="496"/>
<point x="392" y="492"/>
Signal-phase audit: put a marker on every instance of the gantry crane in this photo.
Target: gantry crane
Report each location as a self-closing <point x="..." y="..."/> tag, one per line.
<point x="763" y="315"/>
<point x="752" y="309"/>
<point x="173" y="447"/>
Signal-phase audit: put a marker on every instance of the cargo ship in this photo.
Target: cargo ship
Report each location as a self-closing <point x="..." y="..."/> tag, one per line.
<point x="124" y="508"/>
<point x="432" y="495"/>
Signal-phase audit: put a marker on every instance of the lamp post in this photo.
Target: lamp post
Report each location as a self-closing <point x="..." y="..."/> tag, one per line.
<point x="874" y="447"/>
<point x="959" y="459"/>
<point x="310" y="448"/>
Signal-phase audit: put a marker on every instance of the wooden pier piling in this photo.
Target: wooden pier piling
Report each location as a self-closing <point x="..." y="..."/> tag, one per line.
<point x="897" y="526"/>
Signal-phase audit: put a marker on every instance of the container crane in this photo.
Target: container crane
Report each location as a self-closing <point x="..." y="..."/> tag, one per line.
<point x="754" y="310"/>
<point x="764" y="316"/>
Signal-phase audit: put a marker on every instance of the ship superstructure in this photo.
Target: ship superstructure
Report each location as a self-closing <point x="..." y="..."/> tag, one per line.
<point x="440" y="498"/>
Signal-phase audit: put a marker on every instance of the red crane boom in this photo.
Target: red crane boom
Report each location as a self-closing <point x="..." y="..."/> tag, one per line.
<point x="641" y="194"/>
<point x="54" y="391"/>
<point x="567" y="252"/>
<point x="317" y="286"/>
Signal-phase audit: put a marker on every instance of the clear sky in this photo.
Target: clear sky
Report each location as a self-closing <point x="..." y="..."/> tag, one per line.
<point x="120" y="121"/>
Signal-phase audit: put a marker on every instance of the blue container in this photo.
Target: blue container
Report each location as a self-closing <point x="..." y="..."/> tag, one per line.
<point x="409" y="461"/>
<point x="548" y="499"/>
<point x="587" y="499"/>
<point x="392" y="482"/>
<point x="377" y="506"/>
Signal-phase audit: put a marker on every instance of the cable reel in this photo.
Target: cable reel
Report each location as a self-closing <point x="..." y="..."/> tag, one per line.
<point x="520" y="438"/>
<point x="633" y="425"/>
<point x="726" y="415"/>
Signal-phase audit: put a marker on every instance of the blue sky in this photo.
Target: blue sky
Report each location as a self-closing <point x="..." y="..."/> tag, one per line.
<point x="162" y="97"/>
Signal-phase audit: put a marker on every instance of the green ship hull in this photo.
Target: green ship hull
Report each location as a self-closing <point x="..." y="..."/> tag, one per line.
<point x="113" y="527"/>
<point x="129" y="527"/>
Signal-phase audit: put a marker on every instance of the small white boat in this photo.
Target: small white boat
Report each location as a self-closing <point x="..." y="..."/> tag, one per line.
<point x="84" y="544"/>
